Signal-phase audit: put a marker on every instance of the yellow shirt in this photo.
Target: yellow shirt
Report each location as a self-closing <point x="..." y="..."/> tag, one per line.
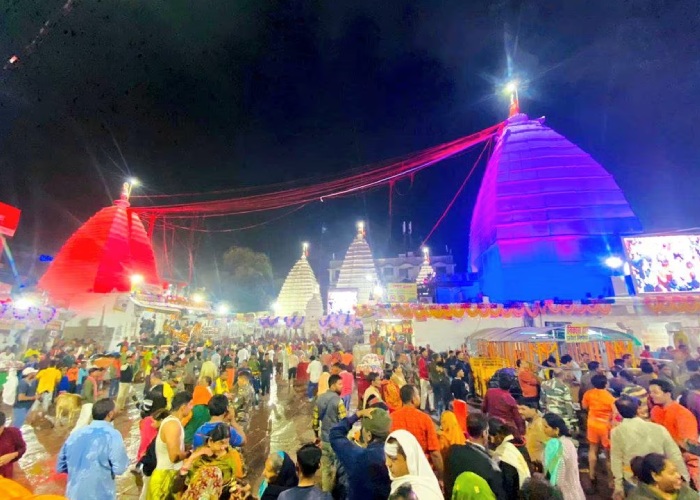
<point x="221" y="386"/>
<point x="48" y="379"/>
<point x="168" y="393"/>
<point x="323" y="383"/>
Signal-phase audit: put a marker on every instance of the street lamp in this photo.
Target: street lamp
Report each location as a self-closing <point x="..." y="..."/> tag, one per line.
<point x="223" y="309"/>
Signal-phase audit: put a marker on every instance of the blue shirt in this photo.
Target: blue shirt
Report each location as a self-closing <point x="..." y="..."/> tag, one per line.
<point x="368" y="477"/>
<point x="200" y="435"/>
<point x="92" y="457"/>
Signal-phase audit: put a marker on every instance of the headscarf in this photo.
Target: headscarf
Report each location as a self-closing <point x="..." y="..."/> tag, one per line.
<point x="553" y="458"/>
<point x="420" y="474"/>
<point x="201" y="395"/>
<point x="286" y="478"/>
<point x="450" y="431"/>
<point x="469" y="486"/>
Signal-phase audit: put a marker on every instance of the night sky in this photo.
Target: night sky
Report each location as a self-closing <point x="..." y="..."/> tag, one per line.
<point x="206" y="95"/>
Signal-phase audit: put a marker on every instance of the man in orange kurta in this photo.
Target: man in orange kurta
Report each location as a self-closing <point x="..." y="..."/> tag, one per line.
<point x="678" y="420"/>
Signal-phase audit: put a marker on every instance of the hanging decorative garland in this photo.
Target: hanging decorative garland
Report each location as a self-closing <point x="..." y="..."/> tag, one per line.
<point x="42" y="315"/>
<point x="422" y="312"/>
<point x="676" y="304"/>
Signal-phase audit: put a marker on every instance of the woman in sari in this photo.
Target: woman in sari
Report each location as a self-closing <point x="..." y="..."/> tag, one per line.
<point x="450" y="433"/>
<point x="200" y="411"/>
<point x="407" y="464"/>
<point x="392" y="395"/>
<point x="211" y="469"/>
<point x="561" y="459"/>
<point x="280" y="474"/>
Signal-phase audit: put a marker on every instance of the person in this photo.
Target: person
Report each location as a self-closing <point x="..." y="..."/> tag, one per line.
<point x="126" y="378"/>
<point x="501" y="437"/>
<point x="677" y="419"/>
<point x="364" y="466"/>
<point x="112" y="375"/>
<point x="646" y="353"/>
<point x="266" y="369"/>
<point x="555" y="397"/>
<point x="323" y="381"/>
<point x="499" y="403"/>
<point x="308" y="463"/>
<point x="535" y="437"/>
<point x="348" y="383"/>
<point x="473" y="456"/>
<point x="594" y="368"/>
<point x="218" y="409"/>
<point x="426" y="391"/>
<point x="12" y="447"/>
<point x="634" y="437"/>
<point x="538" y="488"/>
<point x="88" y="395"/>
<point x="211" y="470"/>
<point x="243" y="398"/>
<point x="407" y="464"/>
<point x="315" y="369"/>
<point x="570" y="364"/>
<point x="293" y="363"/>
<point x="170" y="448"/>
<point x="26" y="396"/>
<point x="93" y="456"/>
<point x="200" y="409"/>
<point x="47" y="380"/>
<point x="374" y="389"/>
<point x="411" y="419"/>
<point x="561" y="459"/>
<point x="153" y="413"/>
<point x="469" y="486"/>
<point x="159" y="386"/>
<point x="647" y="374"/>
<point x="328" y="411"/>
<point x="216" y="358"/>
<point x="392" y="391"/>
<point x="458" y="386"/>
<point x="279" y="475"/>
<point x="450" y="433"/>
<point x="529" y="382"/>
<point x="599" y="403"/>
<point x="658" y="478"/>
<point x="632" y="389"/>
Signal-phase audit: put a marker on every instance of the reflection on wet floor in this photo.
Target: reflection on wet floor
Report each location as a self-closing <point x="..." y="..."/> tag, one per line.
<point x="282" y="422"/>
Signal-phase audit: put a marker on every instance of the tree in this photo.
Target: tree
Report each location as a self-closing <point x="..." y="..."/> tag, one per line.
<point x="249" y="280"/>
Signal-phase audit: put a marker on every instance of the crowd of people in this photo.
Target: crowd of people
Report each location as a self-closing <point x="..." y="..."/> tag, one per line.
<point x="402" y="431"/>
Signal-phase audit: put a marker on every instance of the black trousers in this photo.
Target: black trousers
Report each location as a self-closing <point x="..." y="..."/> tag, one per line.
<point x="265" y="385"/>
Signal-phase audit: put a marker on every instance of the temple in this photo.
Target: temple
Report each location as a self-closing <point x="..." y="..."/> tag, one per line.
<point x="103" y="256"/>
<point x="546" y="218"/>
<point x="358" y="271"/>
<point x="300" y="294"/>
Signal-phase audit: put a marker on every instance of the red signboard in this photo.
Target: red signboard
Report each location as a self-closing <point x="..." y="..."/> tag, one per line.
<point x="9" y="219"/>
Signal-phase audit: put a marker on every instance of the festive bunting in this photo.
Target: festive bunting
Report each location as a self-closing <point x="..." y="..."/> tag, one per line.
<point x="456" y="312"/>
<point x="675" y="304"/>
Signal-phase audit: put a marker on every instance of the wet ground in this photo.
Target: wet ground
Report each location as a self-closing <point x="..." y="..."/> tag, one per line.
<point x="281" y="422"/>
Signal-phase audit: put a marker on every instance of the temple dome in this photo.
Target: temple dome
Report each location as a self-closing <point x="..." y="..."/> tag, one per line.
<point x="298" y="289"/>
<point x="102" y="256"/>
<point x="358" y="271"/>
<point x="546" y="216"/>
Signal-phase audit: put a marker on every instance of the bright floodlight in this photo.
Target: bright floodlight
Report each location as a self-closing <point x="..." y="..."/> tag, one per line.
<point x="614" y="262"/>
<point x="369" y="277"/>
<point x="511" y="87"/>
<point x="136" y="279"/>
<point x="378" y="291"/>
<point x="223" y="309"/>
<point x="133" y="181"/>
<point x="197" y="298"/>
<point x="23" y="303"/>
